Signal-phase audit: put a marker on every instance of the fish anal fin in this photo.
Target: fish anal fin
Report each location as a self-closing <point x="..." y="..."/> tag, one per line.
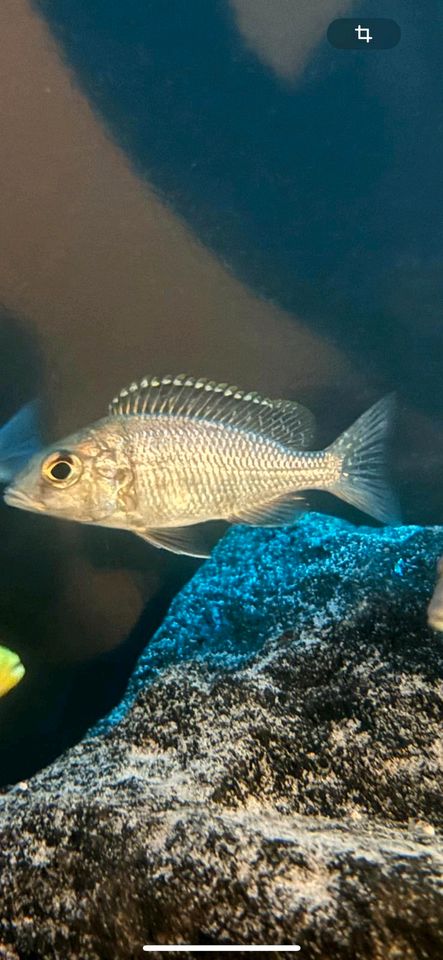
<point x="279" y="512"/>
<point x="283" y="421"/>
<point x="192" y="541"/>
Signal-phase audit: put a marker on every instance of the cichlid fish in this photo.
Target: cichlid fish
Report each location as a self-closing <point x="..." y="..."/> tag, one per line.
<point x="18" y="441"/>
<point x="435" y="609"/>
<point x="11" y="670"/>
<point x="176" y="452"/>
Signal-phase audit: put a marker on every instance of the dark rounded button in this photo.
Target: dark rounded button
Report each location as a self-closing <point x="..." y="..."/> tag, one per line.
<point x="373" y="33"/>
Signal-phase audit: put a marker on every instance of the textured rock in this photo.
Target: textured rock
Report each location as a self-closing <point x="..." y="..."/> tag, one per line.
<point x="274" y="774"/>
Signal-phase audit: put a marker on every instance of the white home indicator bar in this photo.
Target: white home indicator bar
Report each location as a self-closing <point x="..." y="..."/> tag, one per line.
<point x="263" y="948"/>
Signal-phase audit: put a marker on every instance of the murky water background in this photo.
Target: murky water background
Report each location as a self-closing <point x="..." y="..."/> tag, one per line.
<point x="201" y="187"/>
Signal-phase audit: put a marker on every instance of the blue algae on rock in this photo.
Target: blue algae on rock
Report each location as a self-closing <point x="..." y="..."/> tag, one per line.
<point x="261" y="583"/>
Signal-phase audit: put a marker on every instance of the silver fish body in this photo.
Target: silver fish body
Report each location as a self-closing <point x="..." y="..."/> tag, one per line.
<point x="435" y="609"/>
<point x="161" y="468"/>
<point x="185" y="472"/>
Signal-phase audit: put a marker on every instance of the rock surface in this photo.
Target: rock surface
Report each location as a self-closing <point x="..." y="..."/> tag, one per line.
<point x="274" y="774"/>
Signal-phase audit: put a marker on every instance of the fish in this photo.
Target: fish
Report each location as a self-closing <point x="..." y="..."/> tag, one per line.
<point x="435" y="609"/>
<point x="19" y="441"/>
<point x="175" y="453"/>
<point x="11" y="670"/>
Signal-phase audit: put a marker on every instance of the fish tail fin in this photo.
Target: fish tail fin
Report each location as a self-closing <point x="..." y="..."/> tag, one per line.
<point x="361" y="448"/>
<point x="11" y="670"/>
<point x="19" y="440"/>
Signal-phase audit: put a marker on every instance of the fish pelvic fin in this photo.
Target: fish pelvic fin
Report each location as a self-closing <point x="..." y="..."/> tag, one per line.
<point x="189" y="541"/>
<point x="361" y="448"/>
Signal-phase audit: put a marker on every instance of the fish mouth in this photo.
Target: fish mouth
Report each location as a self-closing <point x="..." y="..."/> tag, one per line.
<point x="16" y="498"/>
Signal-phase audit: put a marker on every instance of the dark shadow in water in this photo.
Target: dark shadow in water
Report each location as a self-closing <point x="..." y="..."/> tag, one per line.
<point x="22" y="364"/>
<point x="324" y="196"/>
<point x="55" y="704"/>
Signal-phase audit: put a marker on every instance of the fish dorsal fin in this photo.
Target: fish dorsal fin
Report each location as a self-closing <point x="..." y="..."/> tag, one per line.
<point x="279" y="512"/>
<point x="284" y="421"/>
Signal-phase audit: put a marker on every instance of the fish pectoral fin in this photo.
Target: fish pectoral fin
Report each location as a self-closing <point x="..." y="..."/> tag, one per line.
<point x="279" y="512"/>
<point x="193" y="541"/>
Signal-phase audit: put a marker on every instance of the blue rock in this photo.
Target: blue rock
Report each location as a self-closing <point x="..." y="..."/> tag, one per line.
<point x="261" y="583"/>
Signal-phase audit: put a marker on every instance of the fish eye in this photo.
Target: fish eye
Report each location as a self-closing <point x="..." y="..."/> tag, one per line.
<point x="62" y="468"/>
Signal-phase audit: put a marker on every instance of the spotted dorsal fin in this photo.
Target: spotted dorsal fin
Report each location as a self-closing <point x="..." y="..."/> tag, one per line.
<point x="281" y="420"/>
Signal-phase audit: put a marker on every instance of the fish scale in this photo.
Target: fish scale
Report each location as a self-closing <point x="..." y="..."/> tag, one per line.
<point x="194" y="470"/>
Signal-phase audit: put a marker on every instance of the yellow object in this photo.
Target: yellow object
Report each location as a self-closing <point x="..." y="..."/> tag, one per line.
<point x="11" y="670"/>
